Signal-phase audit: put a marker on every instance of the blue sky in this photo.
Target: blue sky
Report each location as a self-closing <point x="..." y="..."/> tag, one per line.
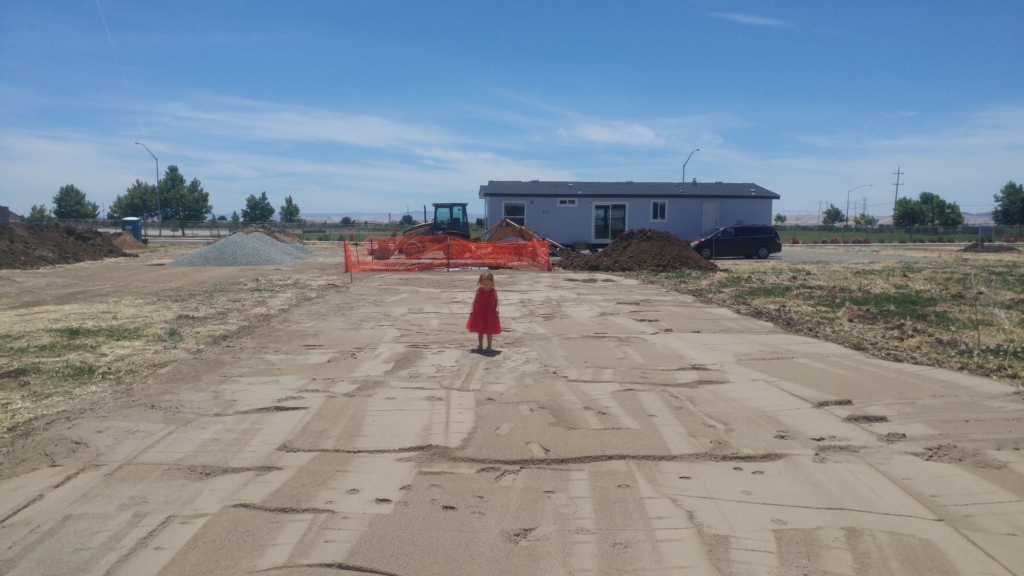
<point x="370" y="106"/>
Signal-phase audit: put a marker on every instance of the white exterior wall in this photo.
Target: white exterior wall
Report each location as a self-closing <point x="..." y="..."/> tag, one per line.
<point x="570" y="225"/>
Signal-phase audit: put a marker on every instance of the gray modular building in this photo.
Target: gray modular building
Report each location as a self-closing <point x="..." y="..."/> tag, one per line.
<point x="596" y="212"/>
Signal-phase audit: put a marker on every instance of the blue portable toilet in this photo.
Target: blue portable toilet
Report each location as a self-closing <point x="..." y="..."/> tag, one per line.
<point x="133" y="224"/>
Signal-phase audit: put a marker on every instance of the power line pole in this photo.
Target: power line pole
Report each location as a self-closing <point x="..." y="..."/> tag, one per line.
<point x="897" y="184"/>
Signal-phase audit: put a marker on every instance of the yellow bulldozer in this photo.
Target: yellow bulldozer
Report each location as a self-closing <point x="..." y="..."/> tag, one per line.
<point x="451" y="219"/>
<point x="508" y="231"/>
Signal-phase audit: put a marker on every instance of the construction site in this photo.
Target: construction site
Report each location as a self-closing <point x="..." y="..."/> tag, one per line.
<point x="261" y="404"/>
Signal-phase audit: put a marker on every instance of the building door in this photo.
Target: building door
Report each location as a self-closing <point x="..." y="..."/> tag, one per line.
<point x="710" y="216"/>
<point x="609" y="221"/>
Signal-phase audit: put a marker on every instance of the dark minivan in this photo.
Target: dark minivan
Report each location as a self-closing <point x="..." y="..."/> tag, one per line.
<point x="747" y="240"/>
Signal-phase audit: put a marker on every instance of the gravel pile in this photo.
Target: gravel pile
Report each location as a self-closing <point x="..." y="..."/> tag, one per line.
<point x="245" y="250"/>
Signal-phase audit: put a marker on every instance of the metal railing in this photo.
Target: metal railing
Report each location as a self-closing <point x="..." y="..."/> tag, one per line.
<point x="818" y="234"/>
<point x="312" y="231"/>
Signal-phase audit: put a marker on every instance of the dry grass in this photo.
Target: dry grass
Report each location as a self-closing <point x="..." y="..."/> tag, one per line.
<point x="961" y="312"/>
<point x="52" y="354"/>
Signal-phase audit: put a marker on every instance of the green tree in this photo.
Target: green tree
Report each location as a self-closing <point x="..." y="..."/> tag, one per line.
<point x="407" y="220"/>
<point x="138" y="201"/>
<point x="865" y="219"/>
<point x="290" y="211"/>
<point x="1009" y="208"/>
<point x="907" y="213"/>
<point x="39" y="213"/>
<point x="257" y="209"/>
<point x="949" y="215"/>
<point x="780" y="219"/>
<point x="928" y="210"/>
<point x="480" y="223"/>
<point x="346" y="221"/>
<point x="70" y="203"/>
<point x="236" y="222"/>
<point x="832" y="215"/>
<point x="181" y="203"/>
<point x="939" y="212"/>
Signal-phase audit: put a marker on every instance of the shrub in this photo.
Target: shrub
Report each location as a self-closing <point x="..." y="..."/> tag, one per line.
<point x="794" y="240"/>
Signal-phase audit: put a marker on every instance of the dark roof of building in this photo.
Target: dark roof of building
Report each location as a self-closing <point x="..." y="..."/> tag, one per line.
<point x="7" y="216"/>
<point x="621" y="189"/>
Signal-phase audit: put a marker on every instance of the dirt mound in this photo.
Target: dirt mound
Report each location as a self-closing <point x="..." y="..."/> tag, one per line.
<point x="276" y="233"/>
<point x="125" y="241"/>
<point x="643" y="250"/>
<point x="989" y="247"/>
<point x="953" y="454"/>
<point x="30" y="246"/>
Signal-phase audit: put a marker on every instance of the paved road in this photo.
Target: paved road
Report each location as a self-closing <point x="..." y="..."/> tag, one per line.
<point x="621" y="429"/>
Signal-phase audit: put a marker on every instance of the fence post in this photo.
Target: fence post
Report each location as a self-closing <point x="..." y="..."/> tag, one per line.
<point x="448" y="252"/>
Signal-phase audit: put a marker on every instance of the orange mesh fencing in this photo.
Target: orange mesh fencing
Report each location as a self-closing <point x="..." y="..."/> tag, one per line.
<point x="424" y="253"/>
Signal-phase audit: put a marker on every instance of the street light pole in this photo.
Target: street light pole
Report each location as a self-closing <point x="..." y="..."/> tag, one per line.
<point x="687" y="162"/>
<point x="848" y="201"/>
<point x="159" y="209"/>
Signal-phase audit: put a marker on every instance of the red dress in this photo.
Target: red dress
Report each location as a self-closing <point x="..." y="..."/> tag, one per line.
<point x="484" y="318"/>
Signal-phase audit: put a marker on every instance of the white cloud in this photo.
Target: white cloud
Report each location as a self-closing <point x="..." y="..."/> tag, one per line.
<point x="333" y="161"/>
<point x="613" y="132"/>
<point x="249" y="119"/>
<point x="752" y="19"/>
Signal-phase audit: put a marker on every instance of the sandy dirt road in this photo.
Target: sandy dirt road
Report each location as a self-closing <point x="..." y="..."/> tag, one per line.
<point x="622" y="429"/>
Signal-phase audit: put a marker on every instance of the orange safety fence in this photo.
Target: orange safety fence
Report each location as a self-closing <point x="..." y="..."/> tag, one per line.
<point x="443" y="253"/>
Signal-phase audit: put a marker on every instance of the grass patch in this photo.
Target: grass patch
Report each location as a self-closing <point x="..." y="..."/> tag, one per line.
<point x="56" y="352"/>
<point x="958" y="311"/>
<point x="898" y="305"/>
<point x="112" y="333"/>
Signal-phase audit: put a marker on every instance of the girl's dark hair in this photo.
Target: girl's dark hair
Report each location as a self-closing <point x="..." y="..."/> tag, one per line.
<point x="485" y="276"/>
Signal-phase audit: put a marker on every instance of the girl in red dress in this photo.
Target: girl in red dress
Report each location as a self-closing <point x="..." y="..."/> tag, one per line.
<point x="484" y="317"/>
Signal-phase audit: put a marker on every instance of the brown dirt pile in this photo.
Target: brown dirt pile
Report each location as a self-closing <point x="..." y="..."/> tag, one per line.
<point x="30" y="246"/>
<point x="125" y="241"/>
<point x="953" y="454"/>
<point x="276" y="233"/>
<point x="989" y="247"/>
<point x="643" y="250"/>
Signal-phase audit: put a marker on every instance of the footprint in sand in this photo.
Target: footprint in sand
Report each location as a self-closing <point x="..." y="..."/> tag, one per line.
<point x="564" y="504"/>
<point x="538" y="450"/>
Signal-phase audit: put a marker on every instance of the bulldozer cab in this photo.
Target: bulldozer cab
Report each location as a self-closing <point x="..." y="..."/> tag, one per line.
<point x="450" y="219"/>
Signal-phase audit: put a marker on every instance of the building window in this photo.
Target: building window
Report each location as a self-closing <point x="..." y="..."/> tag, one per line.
<point x="566" y="202"/>
<point x="658" y="211"/>
<point x="515" y="212"/>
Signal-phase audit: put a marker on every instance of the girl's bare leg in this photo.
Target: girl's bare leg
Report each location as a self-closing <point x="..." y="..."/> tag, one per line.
<point x="489" y="341"/>
<point x="480" y="341"/>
